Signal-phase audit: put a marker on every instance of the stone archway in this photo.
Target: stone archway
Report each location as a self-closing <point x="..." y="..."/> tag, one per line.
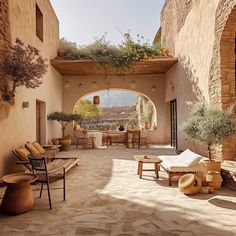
<point x="222" y="75"/>
<point x="143" y="85"/>
<point x="154" y="116"/>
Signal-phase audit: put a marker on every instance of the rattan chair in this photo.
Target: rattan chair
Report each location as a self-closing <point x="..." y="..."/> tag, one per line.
<point x="47" y="174"/>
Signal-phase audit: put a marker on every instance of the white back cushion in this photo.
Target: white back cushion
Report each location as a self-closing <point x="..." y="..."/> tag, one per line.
<point x="189" y="158"/>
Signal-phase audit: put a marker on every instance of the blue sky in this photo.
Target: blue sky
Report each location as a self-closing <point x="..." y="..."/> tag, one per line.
<point x="82" y="20"/>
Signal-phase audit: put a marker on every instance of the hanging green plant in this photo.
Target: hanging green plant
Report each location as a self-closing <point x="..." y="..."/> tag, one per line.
<point x="120" y="58"/>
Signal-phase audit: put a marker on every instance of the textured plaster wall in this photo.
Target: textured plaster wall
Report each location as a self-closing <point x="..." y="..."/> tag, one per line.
<point x="20" y="126"/>
<point x="144" y="85"/>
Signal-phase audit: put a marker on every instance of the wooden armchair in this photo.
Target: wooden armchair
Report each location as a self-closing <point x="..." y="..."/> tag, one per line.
<point x="133" y="138"/>
<point x="144" y="138"/>
<point x="106" y="139"/>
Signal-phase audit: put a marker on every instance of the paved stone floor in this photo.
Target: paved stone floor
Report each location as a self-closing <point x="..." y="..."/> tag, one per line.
<point x="106" y="197"/>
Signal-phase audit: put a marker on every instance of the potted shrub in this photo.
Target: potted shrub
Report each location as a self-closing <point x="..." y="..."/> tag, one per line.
<point x="211" y="126"/>
<point x="64" y="119"/>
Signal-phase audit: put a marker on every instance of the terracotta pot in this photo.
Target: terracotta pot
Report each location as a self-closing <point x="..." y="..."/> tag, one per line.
<point x="55" y="141"/>
<point x="189" y="184"/>
<point x="18" y="197"/>
<point x="65" y="144"/>
<point x="212" y="166"/>
<point x="214" y="179"/>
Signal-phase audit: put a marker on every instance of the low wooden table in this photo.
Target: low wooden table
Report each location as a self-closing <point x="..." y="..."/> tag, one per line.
<point x="147" y="159"/>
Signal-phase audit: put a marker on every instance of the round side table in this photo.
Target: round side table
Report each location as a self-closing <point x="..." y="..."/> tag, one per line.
<point x="18" y="197"/>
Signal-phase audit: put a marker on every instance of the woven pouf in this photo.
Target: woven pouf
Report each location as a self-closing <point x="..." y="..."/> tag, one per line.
<point x="189" y="184"/>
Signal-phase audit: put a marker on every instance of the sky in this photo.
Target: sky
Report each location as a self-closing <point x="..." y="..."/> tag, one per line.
<point x="83" y="20"/>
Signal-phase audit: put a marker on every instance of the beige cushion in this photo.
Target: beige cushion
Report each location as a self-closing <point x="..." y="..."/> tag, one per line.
<point x="39" y="147"/>
<point x="32" y="149"/>
<point x="23" y="153"/>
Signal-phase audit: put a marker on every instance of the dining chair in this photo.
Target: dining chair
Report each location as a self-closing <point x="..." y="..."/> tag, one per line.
<point x="48" y="174"/>
<point x="106" y="138"/>
<point x="83" y="139"/>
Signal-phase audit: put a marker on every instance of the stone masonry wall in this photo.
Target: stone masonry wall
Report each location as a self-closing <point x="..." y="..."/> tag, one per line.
<point x="223" y="11"/>
<point x="5" y="38"/>
<point x="222" y="74"/>
<point x="173" y="16"/>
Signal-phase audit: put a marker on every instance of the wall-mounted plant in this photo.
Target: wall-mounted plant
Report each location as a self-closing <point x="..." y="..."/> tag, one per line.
<point x="23" y="66"/>
<point x="111" y="57"/>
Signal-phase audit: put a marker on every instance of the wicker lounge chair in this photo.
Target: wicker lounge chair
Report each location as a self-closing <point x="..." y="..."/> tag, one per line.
<point x="22" y="154"/>
<point x="178" y="165"/>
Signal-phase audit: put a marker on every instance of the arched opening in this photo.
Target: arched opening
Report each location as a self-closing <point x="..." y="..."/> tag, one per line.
<point x="118" y="108"/>
<point x="228" y="75"/>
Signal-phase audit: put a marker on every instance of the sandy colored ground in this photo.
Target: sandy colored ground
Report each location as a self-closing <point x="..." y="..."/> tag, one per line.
<point x="106" y="197"/>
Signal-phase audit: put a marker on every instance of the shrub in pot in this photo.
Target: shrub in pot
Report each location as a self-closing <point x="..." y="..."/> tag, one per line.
<point x="64" y="119"/>
<point x="211" y="126"/>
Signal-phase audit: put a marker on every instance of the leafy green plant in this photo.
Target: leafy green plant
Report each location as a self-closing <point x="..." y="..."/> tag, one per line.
<point x="24" y="67"/>
<point x="120" y="58"/>
<point x="209" y="125"/>
<point x="63" y="118"/>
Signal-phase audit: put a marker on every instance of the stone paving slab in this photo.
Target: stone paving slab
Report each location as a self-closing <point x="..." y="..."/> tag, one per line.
<point x="104" y="196"/>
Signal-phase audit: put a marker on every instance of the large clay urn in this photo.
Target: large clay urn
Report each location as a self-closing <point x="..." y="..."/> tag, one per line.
<point x="189" y="184"/>
<point x="18" y="197"/>
<point x="65" y="144"/>
<point x="214" y="179"/>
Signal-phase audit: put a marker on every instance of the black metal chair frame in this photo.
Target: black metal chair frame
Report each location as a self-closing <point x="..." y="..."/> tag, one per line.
<point x="39" y="167"/>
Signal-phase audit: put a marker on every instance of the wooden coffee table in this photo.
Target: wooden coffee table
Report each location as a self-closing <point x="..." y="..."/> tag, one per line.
<point x="147" y="159"/>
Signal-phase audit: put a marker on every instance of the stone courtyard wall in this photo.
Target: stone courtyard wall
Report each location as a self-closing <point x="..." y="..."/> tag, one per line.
<point x="193" y="30"/>
<point x="17" y="20"/>
<point x="5" y="37"/>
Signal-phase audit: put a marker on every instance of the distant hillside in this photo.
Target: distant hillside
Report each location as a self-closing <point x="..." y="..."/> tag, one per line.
<point x="116" y="99"/>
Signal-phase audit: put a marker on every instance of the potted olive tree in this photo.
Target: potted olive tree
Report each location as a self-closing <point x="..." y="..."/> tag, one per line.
<point x="211" y="126"/>
<point x="64" y="119"/>
<point x="22" y="66"/>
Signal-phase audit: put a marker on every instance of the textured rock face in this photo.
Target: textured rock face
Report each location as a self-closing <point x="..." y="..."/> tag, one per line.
<point x="202" y="35"/>
<point x="173" y="17"/>
<point x="5" y="38"/>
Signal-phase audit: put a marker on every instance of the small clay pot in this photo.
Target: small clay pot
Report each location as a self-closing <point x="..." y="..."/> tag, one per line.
<point x="55" y="141"/>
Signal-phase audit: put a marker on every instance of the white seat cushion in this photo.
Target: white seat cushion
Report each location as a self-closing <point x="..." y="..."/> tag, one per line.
<point x="182" y="163"/>
<point x="189" y="158"/>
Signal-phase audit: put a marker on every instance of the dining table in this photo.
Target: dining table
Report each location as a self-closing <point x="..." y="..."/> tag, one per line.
<point x="97" y="138"/>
